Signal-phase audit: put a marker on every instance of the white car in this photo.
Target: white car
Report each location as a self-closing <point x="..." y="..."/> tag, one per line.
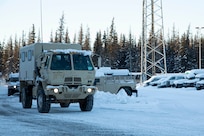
<point x="191" y="82"/>
<point x="200" y="84"/>
<point x="152" y="79"/>
<point x="155" y="83"/>
<point x="168" y="82"/>
<point x="179" y="83"/>
<point x="196" y="71"/>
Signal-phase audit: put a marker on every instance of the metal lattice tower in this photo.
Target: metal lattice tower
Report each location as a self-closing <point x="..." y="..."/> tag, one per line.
<point x="153" y="56"/>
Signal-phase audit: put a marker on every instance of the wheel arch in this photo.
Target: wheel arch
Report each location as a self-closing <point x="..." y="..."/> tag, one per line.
<point x="127" y="89"/>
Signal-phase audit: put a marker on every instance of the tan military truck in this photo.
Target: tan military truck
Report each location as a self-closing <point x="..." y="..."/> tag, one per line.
<point x="114" y="80"/>
<point x="56" y="73"/>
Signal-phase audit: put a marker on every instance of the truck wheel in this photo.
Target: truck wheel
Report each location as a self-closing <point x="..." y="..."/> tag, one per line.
<point x="128" y="91"/>
<point x="42" y="103"/>
<point x="64" y="105"/>
<point x="87" y="103"/>
<point x="26" y="98"/>
<point x="20" y="96"/>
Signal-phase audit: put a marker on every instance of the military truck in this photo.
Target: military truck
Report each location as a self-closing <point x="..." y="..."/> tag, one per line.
<point x="114" y="80"/>
<point x="56" y="73"/>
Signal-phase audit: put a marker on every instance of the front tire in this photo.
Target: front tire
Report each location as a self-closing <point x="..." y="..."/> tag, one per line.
<point x="87" y="103"/>
<point x="26" y="98"/>
<point x="42" y="103"/>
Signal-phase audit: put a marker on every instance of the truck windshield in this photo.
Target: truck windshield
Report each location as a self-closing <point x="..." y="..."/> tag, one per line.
<point x="61" y="62"/>
<point x="82" y="62"/>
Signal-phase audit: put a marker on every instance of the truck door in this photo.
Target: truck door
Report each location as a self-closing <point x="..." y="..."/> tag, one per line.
<point x="45" y="66"/>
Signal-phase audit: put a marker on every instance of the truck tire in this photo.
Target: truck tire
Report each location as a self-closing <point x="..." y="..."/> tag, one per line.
<point x="87" y="103"/>
<point x="64" y="105"/>
<point x="42" y="103"/>
<point x="128" y="91"/>
<point x="26" y="99"/>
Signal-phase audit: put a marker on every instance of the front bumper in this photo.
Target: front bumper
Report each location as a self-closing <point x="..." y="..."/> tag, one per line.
<point x="189" y="84"/>
<point x="65" y="92"/>
<point x="201" y="86"/>
<point x="14" y="88"/>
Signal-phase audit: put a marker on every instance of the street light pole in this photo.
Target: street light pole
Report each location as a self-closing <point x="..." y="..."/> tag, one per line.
<point x="199" y="33"/>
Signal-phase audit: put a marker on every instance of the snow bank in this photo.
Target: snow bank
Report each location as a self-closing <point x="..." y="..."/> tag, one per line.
<point x="120" y="98"/>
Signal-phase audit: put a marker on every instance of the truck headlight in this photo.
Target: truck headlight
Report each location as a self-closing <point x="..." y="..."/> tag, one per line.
<point x="56" y="90"/>
<point x="14" y="86"/>
<point x="89" y="90"/>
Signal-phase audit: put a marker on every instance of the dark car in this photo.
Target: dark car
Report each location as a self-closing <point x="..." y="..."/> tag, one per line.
<point x="13" y="83"/>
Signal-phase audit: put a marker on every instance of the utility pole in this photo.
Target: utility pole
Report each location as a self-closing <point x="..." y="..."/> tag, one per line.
<point x="153" y="56"/>
<point x="200" y="37"/>
<point x="41" y="18"/>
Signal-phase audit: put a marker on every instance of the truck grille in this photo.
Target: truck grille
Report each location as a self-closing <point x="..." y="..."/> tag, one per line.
<point x="72" y="80"/>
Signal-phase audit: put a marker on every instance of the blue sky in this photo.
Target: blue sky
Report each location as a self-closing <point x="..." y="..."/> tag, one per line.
<point x="19" y="15"/>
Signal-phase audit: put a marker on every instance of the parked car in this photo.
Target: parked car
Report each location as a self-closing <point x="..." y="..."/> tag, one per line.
<point x="168" y="81"/>
<point x="155" y="83"/>
<point x="200" y="84"/>
<point x="196" y="71"/>
<point x="13" y="83"/>
<point x="152" y="79"/>
<point x="179" y="83"/>
<point x="191" y="82"/>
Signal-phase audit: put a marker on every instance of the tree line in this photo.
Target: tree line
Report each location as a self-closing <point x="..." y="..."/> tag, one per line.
<point x="116" y="50"/>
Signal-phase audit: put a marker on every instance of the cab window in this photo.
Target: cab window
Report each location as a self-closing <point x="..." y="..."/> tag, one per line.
<point x="61" y="62"/>
<point x="82" y="62"/>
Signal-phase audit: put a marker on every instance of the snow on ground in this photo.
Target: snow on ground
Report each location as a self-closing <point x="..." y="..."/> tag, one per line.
<point x="156" y="111"/>
<point x="167" y="111"/>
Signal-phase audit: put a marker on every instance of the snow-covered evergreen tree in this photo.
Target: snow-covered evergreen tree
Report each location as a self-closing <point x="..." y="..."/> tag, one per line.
<point x="81" y="36"/>
<point x="60" y="34"/>
<point x="67" y="39"/>
<point x="31" y="36"/>
<point x="86" y="45"/>
<point x="98" y="49"/>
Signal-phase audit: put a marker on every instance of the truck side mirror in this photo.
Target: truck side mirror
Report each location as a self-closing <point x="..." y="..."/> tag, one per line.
<point x="99" y="61"/>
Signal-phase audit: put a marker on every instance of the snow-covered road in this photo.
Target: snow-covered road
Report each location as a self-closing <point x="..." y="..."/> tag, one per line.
<point x="155" y="112"/>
